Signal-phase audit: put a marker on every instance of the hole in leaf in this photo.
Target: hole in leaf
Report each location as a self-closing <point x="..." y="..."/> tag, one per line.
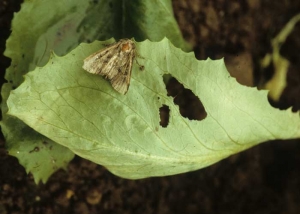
<point x="164" y="113"/>
<point x="189" y="104"/>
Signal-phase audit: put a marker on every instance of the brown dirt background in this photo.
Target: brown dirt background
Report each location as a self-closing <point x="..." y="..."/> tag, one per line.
<point x="264" y="179"/>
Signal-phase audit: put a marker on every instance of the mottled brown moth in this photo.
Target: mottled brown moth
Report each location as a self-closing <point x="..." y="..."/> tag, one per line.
<point x="114" y="62"/>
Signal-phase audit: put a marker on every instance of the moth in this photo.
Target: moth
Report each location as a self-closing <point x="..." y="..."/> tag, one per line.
<point x="114" y="62"/>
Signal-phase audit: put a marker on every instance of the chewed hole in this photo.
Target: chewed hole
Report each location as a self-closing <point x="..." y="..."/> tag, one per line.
<point x="189" y="104"/>
<point x="164" y="113"/>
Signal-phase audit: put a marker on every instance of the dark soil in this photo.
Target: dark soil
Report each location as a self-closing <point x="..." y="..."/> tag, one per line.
<point x="264" y="179"/>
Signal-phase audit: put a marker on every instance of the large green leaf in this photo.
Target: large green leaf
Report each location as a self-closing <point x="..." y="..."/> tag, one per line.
<point x="60" y="25"/>
<point x="82" y="112"/>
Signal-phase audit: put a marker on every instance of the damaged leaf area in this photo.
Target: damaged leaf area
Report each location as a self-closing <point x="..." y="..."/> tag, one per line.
<point x="125" y="133"/>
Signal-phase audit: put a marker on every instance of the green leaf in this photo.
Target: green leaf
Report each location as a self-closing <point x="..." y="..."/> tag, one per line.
<point x="38" y="154"/>
<point x="42" y="26"/>
<point x="82" y="112"/>
<point x="139" y="19"/>
<point x="153" y="20"/>
<point x="278" y="82"/>
<point x="39" y="27"/>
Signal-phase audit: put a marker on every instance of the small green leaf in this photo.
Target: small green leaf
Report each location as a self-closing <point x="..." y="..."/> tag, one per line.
<point x="38" y="154"/>
<point x="278" y="82"/>
<point x="82" y="112"/>
<point x="40" y="26"/>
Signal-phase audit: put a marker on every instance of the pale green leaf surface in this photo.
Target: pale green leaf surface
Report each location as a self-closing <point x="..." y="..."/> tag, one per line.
<point x="82" y="112"/>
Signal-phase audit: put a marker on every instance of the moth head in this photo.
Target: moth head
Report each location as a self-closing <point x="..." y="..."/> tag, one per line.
<point x="127" y="46"/>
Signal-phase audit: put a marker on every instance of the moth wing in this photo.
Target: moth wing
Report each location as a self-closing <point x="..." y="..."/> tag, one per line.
<point x="93" y="63"/>
<point x="121" y="81"/>
<point x="101" y="62"/>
